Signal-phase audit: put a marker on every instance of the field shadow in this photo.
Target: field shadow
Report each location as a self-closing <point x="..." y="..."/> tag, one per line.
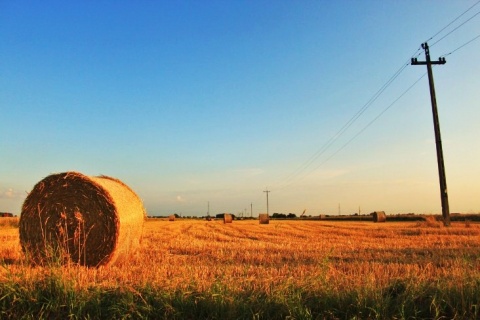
<point x="9" y="261"/>
<point x="437" y="256"/>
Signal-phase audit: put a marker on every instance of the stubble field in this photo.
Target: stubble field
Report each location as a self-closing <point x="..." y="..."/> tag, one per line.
<point x="189" y="269"/>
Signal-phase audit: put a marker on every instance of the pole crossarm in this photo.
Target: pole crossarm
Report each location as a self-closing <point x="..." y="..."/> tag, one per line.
<point x="415" y="61"/>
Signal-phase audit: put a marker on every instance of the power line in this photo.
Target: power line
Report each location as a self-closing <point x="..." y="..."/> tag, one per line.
<point x="368" y="125"/>
<point x="349" y="123"/>
<point x="381" y="113"/>
<point x="289" y="180"/>
<point x="463" y="45"/>
<point x="476" y="14"/>
<point x="436" y="34"/>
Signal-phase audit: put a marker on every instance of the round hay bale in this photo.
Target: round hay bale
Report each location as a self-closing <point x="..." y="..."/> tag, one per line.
<point x="227" y="218"/>
<point x="379" y="216"/>
<point x="171" y="217"/>
<point x="91" y="221"/>
<point x="263" y="218"/>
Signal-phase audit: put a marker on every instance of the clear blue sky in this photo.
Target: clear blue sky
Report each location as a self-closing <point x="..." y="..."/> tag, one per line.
<point x="190" y="102"/>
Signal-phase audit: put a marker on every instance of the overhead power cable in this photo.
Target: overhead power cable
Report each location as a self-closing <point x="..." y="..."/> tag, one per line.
<point x="348" y="124"/>
<point x="371" y="122"/>
<point x="345" y="127"/>
<point x="453" y="21"/>
<point x="384" y="110"/>
<point x="476" y="14"/>
<point x="342" y="130"/>
<point x="463" y="45"/>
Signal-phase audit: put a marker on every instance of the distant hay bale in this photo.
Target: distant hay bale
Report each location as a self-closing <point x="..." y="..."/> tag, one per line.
<point x="91" y="221"/>
<point x="379" y="216"/>
<point x="263" y="218"/>
<point x="227" y="218"/>
<point x="171" y="217"/>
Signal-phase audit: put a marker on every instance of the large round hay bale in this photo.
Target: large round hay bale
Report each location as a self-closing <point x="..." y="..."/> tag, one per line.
<point x="227" y="218"/>
<point x="379" y="216"/>
<point x="91" y="221"/>
<point x="263" y="218"/>
<point x="171" y="217"/>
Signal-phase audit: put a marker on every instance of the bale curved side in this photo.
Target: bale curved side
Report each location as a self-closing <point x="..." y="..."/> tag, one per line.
<point x="227" y="218"/>
<point x="131" y="215"/>
<point x="379" y="216"/>
<point x="91" y="221"/>
<point x="263" y="218"/>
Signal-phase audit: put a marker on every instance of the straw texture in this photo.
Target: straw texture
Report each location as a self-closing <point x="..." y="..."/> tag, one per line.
<point x="91" y="221"/>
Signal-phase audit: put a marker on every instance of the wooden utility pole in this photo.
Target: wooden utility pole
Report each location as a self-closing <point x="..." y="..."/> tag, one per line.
<point x="436" y="124"/>
<point x="267" y="192"/>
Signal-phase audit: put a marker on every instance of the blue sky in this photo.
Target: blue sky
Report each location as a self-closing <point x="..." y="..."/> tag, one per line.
<point x="196" y="102"/>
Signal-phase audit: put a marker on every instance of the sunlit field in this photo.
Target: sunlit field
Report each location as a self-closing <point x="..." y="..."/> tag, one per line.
<point x="244" y="270"/>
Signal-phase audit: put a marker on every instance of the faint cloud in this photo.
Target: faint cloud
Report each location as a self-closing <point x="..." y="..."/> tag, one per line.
<point x="329" y="174"/>
<point x="429" y="141"/>
<point x="180" y="198"/>
<point x="250" y="172"/>
<point x="8" y="193"/>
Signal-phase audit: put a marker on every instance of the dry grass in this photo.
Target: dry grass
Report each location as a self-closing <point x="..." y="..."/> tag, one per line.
<point x="431" y="222"/>
<point x="9" y="222"/>
<point x="196" y="255"/>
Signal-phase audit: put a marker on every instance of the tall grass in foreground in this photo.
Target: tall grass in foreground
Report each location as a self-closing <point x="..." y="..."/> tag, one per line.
<point x="55" y="298"/>
<point x="294" y="270"/>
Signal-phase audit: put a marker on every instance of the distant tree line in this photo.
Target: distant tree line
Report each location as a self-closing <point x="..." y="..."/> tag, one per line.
<point x="221" y="215"/>
<point x="6" y="214"/>
<point x="284" y="216"/>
